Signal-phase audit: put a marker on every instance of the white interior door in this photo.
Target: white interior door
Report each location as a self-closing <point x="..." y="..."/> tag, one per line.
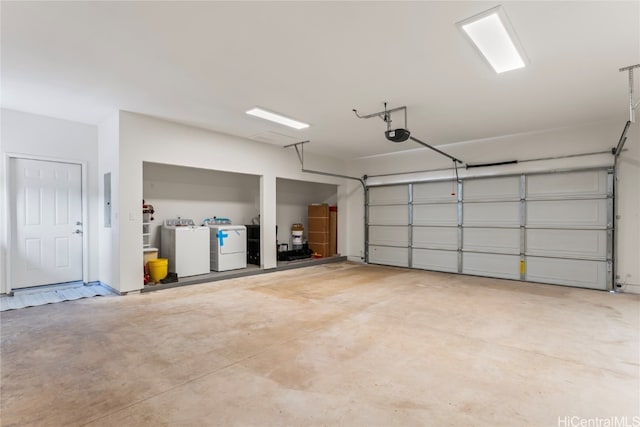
<point x="45" y="222"/>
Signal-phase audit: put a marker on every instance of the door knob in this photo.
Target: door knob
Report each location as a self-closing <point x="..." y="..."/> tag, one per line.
<point x="78" y="232"/>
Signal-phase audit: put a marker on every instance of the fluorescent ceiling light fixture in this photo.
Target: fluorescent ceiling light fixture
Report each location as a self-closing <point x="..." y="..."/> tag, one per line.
<point x="268" y="115"/>
<point x="492" y="33"/>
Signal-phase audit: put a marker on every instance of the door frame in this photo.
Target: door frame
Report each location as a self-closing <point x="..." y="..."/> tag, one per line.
<point x="8" y="215"/>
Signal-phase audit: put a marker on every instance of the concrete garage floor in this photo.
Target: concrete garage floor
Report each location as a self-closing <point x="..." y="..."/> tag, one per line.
<point x="336" y="344"/>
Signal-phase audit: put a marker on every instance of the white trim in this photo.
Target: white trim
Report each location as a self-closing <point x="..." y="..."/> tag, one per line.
<point x="104" y="285"/>
<point x="594" y="161"/>
<point x="4" y="283"/>
<point x="7" y="211"/>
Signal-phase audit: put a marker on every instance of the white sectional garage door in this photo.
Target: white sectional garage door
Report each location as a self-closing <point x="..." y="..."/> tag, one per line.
<point x="568" y="238"/>
<point x="550" y="228"/>
<point x="388" y="220"/>
<point x="435" y="226"/>
<point x="491" y="227"/>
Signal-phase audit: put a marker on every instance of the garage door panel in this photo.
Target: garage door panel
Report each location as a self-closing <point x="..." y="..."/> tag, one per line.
<point x="435" y="192"/>
<point x="389" y="236"/>
<point x="491" y="265"/>
<point x="506" y="188"/>
<point x="436" y="214"/>
<point x="437" y="260"/>
<point x="389" y="215"/>
<point x="581" y="273"/>
<point x="495" y="240"/>
<point x="393" y="195"/>
<point x="567" y="243"/>
<point x="570" y="184"/>
<point x="385" y="255"/>
<point x="567" y="213"/>
<point x="565" y="240"/>
<point x="435" y="238"/>
<point x="496" y="214"/>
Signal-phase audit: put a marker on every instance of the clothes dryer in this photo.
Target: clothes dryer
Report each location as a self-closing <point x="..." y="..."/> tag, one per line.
<point x="228" y="247"/>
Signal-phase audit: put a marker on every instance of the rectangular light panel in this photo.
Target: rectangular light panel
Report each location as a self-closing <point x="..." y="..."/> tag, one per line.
<point x="492" y="34"/>
<point x="277" y="118"/>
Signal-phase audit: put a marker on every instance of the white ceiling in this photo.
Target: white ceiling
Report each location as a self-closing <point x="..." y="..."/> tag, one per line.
<point x="206" y="63"/>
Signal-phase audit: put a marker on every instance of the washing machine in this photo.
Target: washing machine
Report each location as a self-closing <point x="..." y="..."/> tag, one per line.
<point x="228" y="247"/>
<point x="186" y="246"/>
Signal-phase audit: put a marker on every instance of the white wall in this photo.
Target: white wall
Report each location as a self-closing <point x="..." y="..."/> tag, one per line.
<point x="124" y="141"/>
<point x="30" y="135"/>
<point x="628" y="213"/>
<point x="292" y="200"/>
<point x="109" y="155"/>
<point x="353" y="194"/>
<point x="176" y="191"/>
<point x="596" y="137"/>
<point x="147" y="139"/>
